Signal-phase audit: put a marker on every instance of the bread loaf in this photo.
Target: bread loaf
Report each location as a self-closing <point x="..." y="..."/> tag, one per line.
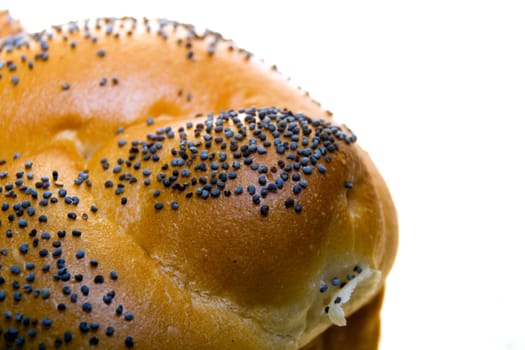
<point x="162" y="189"/>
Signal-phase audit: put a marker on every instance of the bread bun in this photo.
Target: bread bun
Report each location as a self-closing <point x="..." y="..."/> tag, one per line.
<point x="162" y="189"/>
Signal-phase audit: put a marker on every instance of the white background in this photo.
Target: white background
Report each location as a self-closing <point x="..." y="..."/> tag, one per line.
<point x="435" y="91"/>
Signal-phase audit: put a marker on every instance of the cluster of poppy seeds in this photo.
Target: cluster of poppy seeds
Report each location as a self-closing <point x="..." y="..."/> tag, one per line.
<point x="204" y="165"/>
<point x="74" y="34"/>
<point x="25" y="198"/>
<point x="339" y="283"/>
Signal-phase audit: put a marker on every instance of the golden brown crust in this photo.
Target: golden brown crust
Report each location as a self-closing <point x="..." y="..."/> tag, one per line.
<point x="153" y="184"/>
<point x="8" y="25"/>
<point x="94" y="81"/>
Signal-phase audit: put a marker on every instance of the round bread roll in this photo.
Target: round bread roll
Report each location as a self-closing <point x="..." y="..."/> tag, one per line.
<point x="161" y="189"/>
